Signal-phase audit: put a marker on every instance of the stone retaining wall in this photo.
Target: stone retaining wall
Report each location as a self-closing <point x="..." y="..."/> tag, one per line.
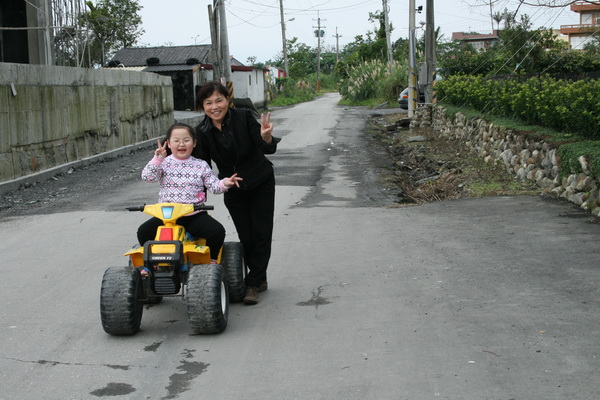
<point x="526" y="159"/>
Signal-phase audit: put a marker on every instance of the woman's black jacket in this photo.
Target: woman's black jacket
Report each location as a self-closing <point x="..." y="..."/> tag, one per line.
<point x="249" y="160"/>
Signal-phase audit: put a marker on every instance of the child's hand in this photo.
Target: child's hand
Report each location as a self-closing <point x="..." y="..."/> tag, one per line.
<point x="233" y="180"/>
<point x="266" y="127"/>
<point x="161" y="151"/>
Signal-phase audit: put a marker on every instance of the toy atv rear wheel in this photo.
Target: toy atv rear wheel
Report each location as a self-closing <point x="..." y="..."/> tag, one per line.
<point x="120" y="306"/>
<point x="207" y="299"/>
<point x="232" y="260"/>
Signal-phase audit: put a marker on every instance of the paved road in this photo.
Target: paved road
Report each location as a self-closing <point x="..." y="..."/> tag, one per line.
<point x="492" y="298"/>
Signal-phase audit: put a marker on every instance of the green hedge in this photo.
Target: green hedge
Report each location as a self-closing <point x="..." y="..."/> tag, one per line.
<point x="570" y="107"/>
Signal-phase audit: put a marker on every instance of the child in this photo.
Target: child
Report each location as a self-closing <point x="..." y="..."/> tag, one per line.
<point x="183" y="179"/>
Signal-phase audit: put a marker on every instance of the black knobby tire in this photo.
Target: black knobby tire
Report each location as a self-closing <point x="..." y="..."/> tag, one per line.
<point x="232" y="261"/>
<point x="120" y="306"/>
<point x="207" y="299"/>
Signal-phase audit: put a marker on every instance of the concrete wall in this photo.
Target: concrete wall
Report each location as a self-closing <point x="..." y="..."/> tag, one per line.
<point x="51" y="116"/>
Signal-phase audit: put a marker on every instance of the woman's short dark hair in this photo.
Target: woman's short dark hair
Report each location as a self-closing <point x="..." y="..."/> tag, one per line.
<point x="207" y="90"/>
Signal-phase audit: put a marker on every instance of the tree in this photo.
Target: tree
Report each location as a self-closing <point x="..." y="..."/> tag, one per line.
<point x="369" y="47"/>
<point x="495" y="16"/>
<point x="556" y="3"/>
<point x="328" y="59"/>
<point x="457" y="58"/>
<point x="498" y="17"/>
<point x="520" y="49"/>
<point x="115" y="24"/>
<point x="593" y="46"/>
<point x="523" y="48"/>
<point x="302" y="59"/>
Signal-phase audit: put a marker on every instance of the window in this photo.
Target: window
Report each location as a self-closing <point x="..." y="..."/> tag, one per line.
<point x="586" y="19"/>
<point x="479" y="46"/>
<point x="579" y="42"/>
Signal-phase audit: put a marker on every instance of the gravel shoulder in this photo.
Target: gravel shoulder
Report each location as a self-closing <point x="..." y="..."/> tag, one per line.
<point x="423" y="167"/>
<point x="72" y="190"/>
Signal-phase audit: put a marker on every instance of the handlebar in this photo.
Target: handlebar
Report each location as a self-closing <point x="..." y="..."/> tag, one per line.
<point x="197" y="207"/>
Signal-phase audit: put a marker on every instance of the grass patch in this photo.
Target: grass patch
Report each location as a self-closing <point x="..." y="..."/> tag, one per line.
<point x="295" y="98"/>
<point x="514" y="188"/>
<point x="491" y="179"/>
<point x="451" y="111"/>
<point x="370" y="103"/>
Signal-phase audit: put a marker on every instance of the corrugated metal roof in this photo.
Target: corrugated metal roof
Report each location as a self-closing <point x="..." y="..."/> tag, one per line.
<point x="158" y="68"/>
<point x="178" y="55"/>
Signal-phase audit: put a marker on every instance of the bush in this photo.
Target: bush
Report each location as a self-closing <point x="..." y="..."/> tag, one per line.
<point x="289" y="91"/>
<point x="372" y="80"/>
<point x="561" y="105"/>
<point x="328" y="82"/>
<point x="569" y="154"/>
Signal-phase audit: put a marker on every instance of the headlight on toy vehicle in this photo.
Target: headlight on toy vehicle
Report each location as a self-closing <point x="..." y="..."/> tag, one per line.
<point x="167" y="212"/>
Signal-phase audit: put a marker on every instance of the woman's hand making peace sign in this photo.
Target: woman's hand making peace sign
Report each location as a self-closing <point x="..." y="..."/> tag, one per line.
<point x="266" y="127"/>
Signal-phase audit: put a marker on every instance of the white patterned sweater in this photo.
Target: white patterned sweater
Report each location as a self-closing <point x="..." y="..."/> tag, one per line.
<point x="182" y="181"/>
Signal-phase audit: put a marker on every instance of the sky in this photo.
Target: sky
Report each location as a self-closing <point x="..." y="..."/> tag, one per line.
<point x="254" y="26"/>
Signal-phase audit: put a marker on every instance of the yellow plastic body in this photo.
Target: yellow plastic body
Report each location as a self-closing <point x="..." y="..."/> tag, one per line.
<point x="194" y="251"/>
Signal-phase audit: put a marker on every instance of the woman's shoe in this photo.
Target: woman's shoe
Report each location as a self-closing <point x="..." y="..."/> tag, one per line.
<point x="263" y="286"/>
<point x="251" y="295"/>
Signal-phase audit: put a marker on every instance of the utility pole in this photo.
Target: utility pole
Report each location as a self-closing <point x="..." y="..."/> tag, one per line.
<point x="430" y="52"/>
<point x="412" y="60"/>
<point x="319" y="33"/>
<point x="214" y="40"/>
<point x="48" y="36"/>
<point x="285" y="54"/>
<point x="337" y="45"/>
<point x="387" y="35"/>
<point x="492" y="16"/>
<point x="224" y="43"/>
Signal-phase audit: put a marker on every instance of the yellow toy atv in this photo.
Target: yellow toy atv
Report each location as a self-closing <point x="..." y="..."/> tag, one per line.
<point x="177" y="265"/>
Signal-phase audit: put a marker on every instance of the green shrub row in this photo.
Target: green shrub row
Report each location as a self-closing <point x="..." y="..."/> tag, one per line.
<point x="570" y="107"/>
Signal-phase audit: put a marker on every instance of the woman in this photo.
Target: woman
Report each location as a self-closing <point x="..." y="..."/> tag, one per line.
<point x="237" y="143"/>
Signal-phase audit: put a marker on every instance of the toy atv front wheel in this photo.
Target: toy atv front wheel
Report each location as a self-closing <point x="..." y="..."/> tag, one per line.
<point x="207" y="298"/>
<point x="120" y="306"/>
